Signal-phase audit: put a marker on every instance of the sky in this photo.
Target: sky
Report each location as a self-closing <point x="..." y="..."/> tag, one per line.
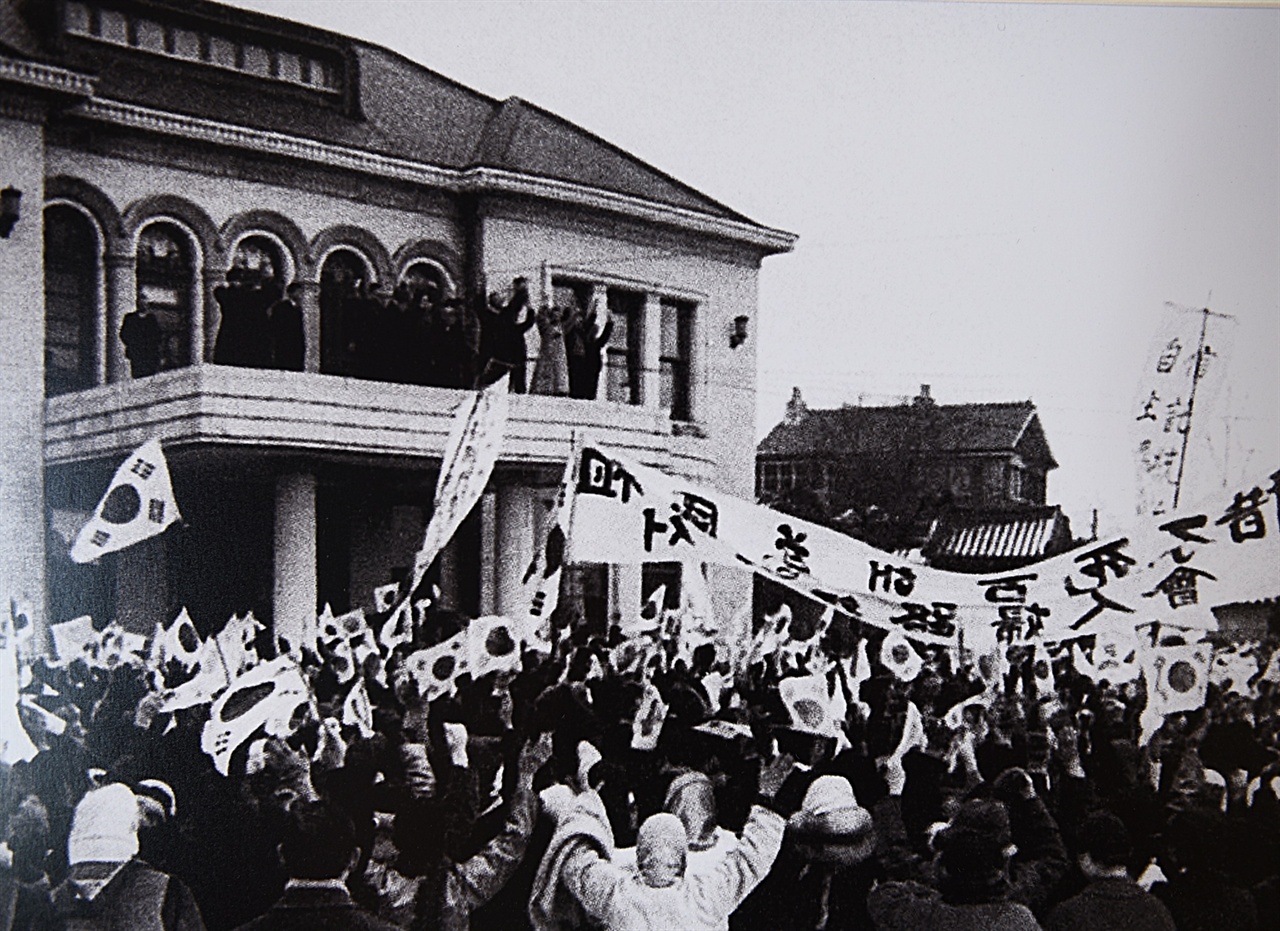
<point x="997" y="200"/>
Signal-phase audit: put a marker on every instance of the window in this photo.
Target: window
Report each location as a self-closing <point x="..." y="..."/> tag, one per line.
<point x="961" y="482"/>
<point x="777" y="477"/>
<point x="673" y="358"/>
<point x="166" y="283"/>
<point x="623" y="354"/>
<point x="427" y="278"/>
<point x="1015" y="482"/>
<point x="71" y="304"/>
<point x="343" y="271"/>
<point x="262" y="257"/>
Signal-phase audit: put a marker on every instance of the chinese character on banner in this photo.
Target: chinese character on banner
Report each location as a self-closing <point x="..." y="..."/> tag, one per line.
<point x="1016" y="620"/>
<point x="1184" y="529"/>
<point x="1244" y="517"/>
<point x="898" y="578"/>
<point x="1100" y="564"/>
<point x="794" y="553"/>
<point x="937" y="618"/>
<point x="1179" y="586"/>
<point x="600" y="475"/>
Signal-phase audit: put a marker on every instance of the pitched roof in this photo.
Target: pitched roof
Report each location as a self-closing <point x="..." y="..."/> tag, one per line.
<point x="931" y="428"/>
<point x="404" y="110"/>
<point x="1022" y="535"/>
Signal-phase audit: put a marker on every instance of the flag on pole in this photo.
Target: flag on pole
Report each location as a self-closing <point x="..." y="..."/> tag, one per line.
<point x="267" y="696"/>
<point x="493" y="645"/>
<point x="357" y="711"/>
<point x="1177" y="680"/>
<point x="210" y="679"/>
<point x="900" y="657"/>
<point x="139" y="504"/>
<point x="437" y="668"/>
<point x="542" y="578"/>
<point x="179" y="641"/>
<point x="470" y="453"/>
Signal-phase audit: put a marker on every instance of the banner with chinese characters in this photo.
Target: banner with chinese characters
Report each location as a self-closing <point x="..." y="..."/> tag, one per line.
<point x="1185" y="364"/>
<point x="1168" y="570"/>
<point x="475" y="440"/>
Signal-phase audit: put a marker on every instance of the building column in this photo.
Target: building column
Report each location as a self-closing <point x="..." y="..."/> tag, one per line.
<point x="206" y="315"/>
<point x="515" y="536"/>
<point x="22" y="511"/>
<point x="650" y="351"/>
<point x="122" y="290"/>
<point x="489" y="553"/>
<point x="309" y="302"/>
<point x="625" y="589"/>
<point x="294" y="588"/>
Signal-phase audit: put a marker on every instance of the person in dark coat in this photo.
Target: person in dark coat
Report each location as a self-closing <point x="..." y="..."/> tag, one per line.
<point x="318" y="850"/>
<point x="140" y="333"/>
<point x="244" y="336"/>
<point x="584" y="347"/>
<point x="25" y="904"/>
<point x="503" y="336"/>
<point x="108" y="888"/>
<point x="1111" y="901"/>
<point x="288" y="346"/>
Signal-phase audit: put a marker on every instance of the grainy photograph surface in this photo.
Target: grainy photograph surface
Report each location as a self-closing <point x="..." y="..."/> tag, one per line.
<point x="745" y="466"/>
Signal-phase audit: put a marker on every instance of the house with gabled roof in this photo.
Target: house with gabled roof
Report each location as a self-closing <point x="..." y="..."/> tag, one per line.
<point x="157" y="145"/>
<point x="964" y="483"/>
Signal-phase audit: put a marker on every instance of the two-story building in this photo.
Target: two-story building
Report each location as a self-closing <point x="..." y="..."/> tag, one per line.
<point x="965" y="483"/>
<point x="158" y="145"/>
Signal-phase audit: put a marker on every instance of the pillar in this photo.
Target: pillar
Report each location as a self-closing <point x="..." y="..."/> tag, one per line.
<point x="22" y="511"/>
<point x="294" y="589"/>
<point x="650" y="351"/>
<point x="309" y="301"/>
<point x="122" y="288"/>
<point x="489" y="553"/>
<point x="515" y="536"/>
<point x="206" y="315"/>
<point x="625" y="583"/>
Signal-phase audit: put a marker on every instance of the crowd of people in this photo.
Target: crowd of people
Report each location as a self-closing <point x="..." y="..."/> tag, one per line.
<point x="415" y="334"/>
<point x="633" y="780"/>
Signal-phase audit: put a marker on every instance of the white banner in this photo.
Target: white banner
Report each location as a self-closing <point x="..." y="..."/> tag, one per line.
<point x="1167" y="570"/>
<point x="472" y="450"/>
<point x="1185" y="362"/>
<point x="138" y="504"/>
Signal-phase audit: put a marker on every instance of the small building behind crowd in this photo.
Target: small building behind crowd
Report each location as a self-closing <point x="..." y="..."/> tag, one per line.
<point x="963" y="484"/>
<point x="282" y="251"/>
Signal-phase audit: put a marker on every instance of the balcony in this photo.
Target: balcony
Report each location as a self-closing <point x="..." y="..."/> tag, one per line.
<point x="334" y="417"/>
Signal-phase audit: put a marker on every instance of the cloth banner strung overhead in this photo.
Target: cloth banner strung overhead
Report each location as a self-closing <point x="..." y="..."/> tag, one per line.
<point x="138" y="504"/>
<point x="1169" y="569"/>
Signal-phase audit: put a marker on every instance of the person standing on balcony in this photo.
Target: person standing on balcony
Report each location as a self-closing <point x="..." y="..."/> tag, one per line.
<point x="140" y="333"/>
<point x="503" y="336"/>
<point x="551" y="374"/>
<point x="288" y="347"/>
<point x="584" y="347"/>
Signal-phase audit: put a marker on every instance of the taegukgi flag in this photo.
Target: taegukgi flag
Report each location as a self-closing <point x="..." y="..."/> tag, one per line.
<point x="139" y="504"/>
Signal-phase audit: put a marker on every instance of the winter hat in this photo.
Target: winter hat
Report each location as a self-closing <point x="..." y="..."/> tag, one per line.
<point x="105" y="826"/>
<point x="1105" y="839"/>
<point x="663" y="831"/>
<point x="830" y="808"/>
<point x="975" y="841"/>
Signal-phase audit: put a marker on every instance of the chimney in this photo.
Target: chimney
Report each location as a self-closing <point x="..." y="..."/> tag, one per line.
<point x="797" y="410"/>
<point x="924" y="398"/>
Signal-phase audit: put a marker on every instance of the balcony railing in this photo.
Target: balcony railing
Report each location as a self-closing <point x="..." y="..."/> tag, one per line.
<point x="330" y="415"/>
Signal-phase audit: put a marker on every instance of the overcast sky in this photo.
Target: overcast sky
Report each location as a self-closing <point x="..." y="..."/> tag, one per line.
<point x="995" y="199"/>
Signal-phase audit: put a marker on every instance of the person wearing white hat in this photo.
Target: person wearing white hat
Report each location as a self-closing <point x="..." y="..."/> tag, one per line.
<point x="108" y="887"/>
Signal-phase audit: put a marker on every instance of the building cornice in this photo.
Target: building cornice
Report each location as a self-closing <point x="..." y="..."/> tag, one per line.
<point x="45" y="77"/>
<point x="472" y="180"/>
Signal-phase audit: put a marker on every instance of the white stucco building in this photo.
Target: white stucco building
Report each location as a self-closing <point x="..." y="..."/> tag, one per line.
<point x="157" y="144"/>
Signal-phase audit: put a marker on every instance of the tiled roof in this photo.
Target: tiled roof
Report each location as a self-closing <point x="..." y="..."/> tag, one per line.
<point x="941" y="428"/>
<point x="404" y="110"/>
<point x="1022" y="535"/>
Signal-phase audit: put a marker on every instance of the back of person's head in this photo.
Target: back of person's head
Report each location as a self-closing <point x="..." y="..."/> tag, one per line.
<point x="661" y="850"/>
<point x="28" y="838"/>
<point x="318" y="841"/>
<point x="104" y="828"/>
<point x="1105" y="839"/>
<point x="975" y="846"/>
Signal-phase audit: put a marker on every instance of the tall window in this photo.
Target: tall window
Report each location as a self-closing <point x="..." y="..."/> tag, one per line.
<point x="166" y="284"/>
<point x="71" y="303"/>
<point x="623" y="354"/>
<point x="340" y="276"/>
<point x="673" y="360"/>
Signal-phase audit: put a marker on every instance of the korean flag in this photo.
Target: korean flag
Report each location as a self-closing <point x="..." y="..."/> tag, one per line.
<point x="900" y="657"/>
<point x="138" y="504"/>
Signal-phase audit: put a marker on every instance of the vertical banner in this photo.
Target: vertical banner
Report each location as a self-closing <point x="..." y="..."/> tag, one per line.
<point x="139" y="504"/>
<point x="542" y="579"/>
<point x="471" y="451"/>
<point x="1183" y="370"/>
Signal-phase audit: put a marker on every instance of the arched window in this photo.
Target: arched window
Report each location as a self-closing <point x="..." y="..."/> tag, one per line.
<point x="166" y="286"/>
<point x="72" y="306"/>
<point x="342" y="278"/>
